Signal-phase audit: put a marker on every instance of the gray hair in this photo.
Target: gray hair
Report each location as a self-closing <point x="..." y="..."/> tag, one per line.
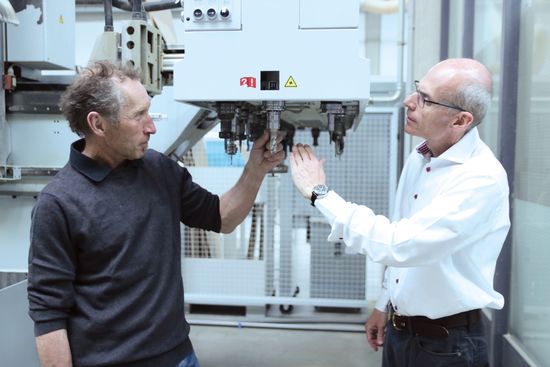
<point x="95" y="89"/>
<point x="474" y="98"/>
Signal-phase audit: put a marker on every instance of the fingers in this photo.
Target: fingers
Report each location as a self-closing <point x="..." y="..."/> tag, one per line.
<point x="262" y="139"/>
<point x="374" y="329"/>
<point x="303" y="152"/>
<point x="309" y="151"/>
<point x="295" y="154"/>
<point x="372" y="336"/>
<point x="375" y="337"/>
<point x="278" y="156"/>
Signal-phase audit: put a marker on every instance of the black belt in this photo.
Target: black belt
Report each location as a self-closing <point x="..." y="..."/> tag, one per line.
<point x="435" y="328"/>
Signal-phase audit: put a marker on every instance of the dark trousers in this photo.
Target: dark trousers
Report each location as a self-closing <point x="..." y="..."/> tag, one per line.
<point x="464" y="347"/>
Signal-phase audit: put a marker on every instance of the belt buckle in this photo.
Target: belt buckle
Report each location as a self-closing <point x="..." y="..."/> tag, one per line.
<point x="399" y="326"/>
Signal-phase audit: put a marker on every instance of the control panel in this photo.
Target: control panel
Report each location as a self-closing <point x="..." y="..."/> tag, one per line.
<point x="212" y="15"/>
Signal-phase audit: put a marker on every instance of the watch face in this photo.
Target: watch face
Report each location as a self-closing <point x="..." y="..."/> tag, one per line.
<point x="320" y="190"/>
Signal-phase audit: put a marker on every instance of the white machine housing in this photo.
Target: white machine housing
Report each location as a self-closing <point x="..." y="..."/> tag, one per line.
<point x="294" y="59"/>
<point x="45" y="37"/>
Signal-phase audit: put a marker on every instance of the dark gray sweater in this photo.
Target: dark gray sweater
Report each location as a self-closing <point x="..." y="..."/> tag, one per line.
<point x="105" y="258"/>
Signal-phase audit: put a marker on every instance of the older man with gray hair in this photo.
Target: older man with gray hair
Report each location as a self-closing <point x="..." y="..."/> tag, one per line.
<point x="449" y="223"/>
<point x="105" y="285"/>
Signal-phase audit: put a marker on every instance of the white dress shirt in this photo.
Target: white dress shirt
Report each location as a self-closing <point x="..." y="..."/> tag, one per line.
<point x="450" y="220"/>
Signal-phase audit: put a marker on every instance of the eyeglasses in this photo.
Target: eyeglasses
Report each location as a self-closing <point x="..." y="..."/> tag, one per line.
<point x="422" y="100"/>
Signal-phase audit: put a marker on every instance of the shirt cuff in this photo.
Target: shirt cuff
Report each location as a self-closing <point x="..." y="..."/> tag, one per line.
<point x="383" y="301"/>
<point x="330" y="205"/>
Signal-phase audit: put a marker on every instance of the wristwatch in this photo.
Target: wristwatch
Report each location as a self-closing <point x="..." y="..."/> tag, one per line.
<point x="319" y="191"/>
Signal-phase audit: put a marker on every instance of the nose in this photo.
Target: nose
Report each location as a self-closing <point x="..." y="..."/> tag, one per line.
<point x="410" y="102"/>
<point x="150" y="127"/>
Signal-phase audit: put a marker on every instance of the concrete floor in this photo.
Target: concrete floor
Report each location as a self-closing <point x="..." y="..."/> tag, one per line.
<point x="230" y="346"/>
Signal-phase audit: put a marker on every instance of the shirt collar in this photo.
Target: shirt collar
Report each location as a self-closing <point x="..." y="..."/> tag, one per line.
<point x="423" y="149"/>
<point x="459" y="152"/>
<point x="89" y="167"/>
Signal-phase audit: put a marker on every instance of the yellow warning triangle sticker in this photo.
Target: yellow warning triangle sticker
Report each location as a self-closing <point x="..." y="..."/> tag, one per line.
<point x="291" y="83"/>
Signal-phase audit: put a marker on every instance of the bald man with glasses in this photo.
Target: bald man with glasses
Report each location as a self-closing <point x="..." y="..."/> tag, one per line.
<point x="449" y="223"/>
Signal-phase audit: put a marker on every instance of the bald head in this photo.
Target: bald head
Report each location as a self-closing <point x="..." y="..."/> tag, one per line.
<point x="466" y="83"/>
<point x="463" y="71"/>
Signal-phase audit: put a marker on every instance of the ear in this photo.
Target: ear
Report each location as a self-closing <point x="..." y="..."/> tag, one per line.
<point x="464" y="120"/>
<point x="96" y="123"/>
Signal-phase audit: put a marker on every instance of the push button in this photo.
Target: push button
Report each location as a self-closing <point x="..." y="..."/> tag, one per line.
<point x="211" y="13"/>
<point x="197" y="13"/>
<point x="224" y="13"/>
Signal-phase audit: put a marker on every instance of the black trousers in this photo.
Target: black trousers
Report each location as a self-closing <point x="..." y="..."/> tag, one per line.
<point x="464" y="347"/>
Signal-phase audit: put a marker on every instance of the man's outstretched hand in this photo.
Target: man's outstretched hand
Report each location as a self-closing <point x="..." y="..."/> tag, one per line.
<point x="307" y="170"/>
